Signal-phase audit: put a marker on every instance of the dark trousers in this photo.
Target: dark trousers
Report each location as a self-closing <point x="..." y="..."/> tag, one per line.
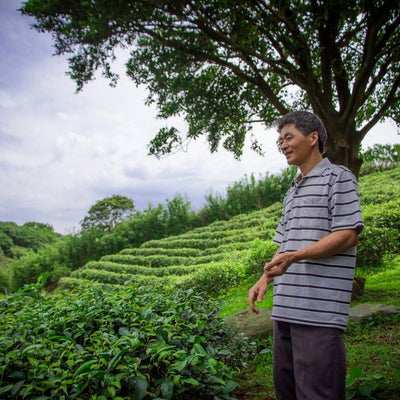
<point x="309" y="362"/>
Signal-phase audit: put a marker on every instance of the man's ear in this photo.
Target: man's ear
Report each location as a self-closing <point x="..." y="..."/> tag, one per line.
<point x="314" y="138"/>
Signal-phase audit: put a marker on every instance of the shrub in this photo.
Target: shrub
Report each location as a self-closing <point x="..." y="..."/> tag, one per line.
<point x="380" y="187"/>
<point x="107" y="343"/>
<point x="261" y="252"/>
<point x="375" y="243"/>
<point x="215" y="278"/>
<point x="381" y="234"/>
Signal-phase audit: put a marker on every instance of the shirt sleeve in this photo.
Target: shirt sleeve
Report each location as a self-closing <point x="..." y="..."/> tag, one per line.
<point x="344" y="203"/>
<point x="279" y="233"/>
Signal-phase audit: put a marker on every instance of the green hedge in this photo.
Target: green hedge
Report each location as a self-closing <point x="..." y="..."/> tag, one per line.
<point x="179" y="252"/>
<point x="157" y="261"/>
<point x="138" y="269"/>
<point x="178" y="242"/>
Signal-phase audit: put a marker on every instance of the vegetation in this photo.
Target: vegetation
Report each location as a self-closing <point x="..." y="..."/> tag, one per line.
<point x="103" y="343"/>
<point x="17" y="241"/>
<point x="106" y="213"/>
<point x="146" y="322"/>
<point x="226" y="64"/>
<point x="71" y="252"/>
<point x="62" y="255"/>
<point x="380" y="158"/>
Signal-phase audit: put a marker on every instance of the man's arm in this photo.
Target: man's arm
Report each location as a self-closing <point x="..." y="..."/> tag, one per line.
<point x="334" y="243"/>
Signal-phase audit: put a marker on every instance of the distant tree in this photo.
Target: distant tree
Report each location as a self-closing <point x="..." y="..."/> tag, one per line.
<point x="104" y="214"/>
<point x="31" y="235"/>
<point x="226" y="64"/>
<point x="380" y="157"/>
<point x="179" y="215"/>
<point x="5" y="243"/>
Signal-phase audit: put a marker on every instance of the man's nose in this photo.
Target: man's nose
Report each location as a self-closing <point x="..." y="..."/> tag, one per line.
<point x="283" y="145"/>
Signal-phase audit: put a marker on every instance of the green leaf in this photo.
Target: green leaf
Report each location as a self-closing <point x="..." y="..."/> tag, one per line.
<point x="5" y="389"/>
<point x="114" y="361"/>
<point x="167" y="389"/>
<point x="84" y="368"/>
<point x="230" y="385"/>
<point x="191" y="381"/>
<point x="17" y="387"/>
<point x="355" y="372"/>
<point x="111" y="391"/>
<point x="140" y="387"/>
<point x="199" y="349"/>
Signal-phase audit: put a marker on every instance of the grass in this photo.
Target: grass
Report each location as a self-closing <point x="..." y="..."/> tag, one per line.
<point x="373" y="347"/>
<point x="236" y="298"/>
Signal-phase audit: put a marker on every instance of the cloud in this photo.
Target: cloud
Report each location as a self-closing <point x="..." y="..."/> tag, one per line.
<point x="61" y="151"/>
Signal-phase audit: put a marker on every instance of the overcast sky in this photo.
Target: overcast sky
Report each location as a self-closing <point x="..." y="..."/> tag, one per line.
<point x="60" y="152"/>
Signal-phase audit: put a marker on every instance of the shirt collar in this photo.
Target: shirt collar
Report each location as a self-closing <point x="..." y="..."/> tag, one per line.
<point x="319" y="168"/>
<point x="316" y="171"/>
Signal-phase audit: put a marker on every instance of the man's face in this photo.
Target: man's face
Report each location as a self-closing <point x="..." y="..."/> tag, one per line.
<point x="295" y="146"/>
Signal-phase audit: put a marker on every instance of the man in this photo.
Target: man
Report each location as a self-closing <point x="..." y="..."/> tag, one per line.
<point x="313" y="267"/>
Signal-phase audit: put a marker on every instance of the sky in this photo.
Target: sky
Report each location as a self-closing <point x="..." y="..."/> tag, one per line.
<point x="62" y="151"/>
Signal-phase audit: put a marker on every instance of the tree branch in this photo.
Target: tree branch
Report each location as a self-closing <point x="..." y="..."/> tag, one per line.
<point x="375" y="23"/>
<point x="390" y="99"/>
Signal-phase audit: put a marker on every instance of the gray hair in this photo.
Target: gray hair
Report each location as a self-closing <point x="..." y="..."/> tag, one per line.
<point x="306" y="122"/>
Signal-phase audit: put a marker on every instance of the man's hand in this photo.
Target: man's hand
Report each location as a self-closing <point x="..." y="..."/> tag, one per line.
<point x="334" y="243"/>
<point x="257" y="292"/>
<point x="279" y="264"/>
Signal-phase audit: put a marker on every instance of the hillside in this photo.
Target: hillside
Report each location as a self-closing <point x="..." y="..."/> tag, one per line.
<point x="224" y="247"/>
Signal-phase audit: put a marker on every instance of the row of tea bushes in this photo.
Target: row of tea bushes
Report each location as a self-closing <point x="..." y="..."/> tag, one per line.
<point x="213" y="278"/>
<point x="186" y="251"/>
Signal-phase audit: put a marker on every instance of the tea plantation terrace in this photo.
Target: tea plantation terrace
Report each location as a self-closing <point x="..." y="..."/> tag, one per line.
<point x="220" y="255"/>
<point x="180" y="259"/>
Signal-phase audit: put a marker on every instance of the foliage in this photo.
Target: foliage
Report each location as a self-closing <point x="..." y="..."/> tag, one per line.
<point x="381" y="234"/>
<point x="18" y="241"/>
<point x="214" y="257"/>
<point x="247" y="195"/>
<point x="150" y="229"/>
<point x="380" y="187"/>
<point x="380" y="158"/>
<point x="360" y="385"/>
<point x="104" y="343"/>
<point x="224" y="65"/>
<point x="4" y="274"/>
<point x="31" y="235"/>
<point x="106" y="213"/>
<point x="382" y="284"/>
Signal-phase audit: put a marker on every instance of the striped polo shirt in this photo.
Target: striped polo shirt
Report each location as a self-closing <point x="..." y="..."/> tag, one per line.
<point x="317" y="292"/>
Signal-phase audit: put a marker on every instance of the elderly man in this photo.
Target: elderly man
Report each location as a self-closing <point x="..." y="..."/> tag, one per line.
<point x="313" y="268"/>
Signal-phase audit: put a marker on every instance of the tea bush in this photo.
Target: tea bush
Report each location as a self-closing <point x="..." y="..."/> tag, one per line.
<point x="381" y="234"/>
<point x="375" y="242"/>
<point x="156" y="261"/>
<point x="140" y="270"/>
<point x="182" y="252"/>
<point x="108" y="343"/>
<point x="380" y="187"/>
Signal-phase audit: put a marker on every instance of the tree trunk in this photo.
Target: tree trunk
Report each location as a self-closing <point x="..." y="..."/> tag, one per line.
<point x="343" y="145"/>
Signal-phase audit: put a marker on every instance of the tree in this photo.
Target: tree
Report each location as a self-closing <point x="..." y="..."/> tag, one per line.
<point x="33" y="235"/>
<point x="226" y="64"/>
<point x="104" y="214"/>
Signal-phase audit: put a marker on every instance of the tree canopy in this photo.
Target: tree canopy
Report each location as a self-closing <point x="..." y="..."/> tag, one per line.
<point x="104" y="214"/>
<point x="226" y="64"/>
